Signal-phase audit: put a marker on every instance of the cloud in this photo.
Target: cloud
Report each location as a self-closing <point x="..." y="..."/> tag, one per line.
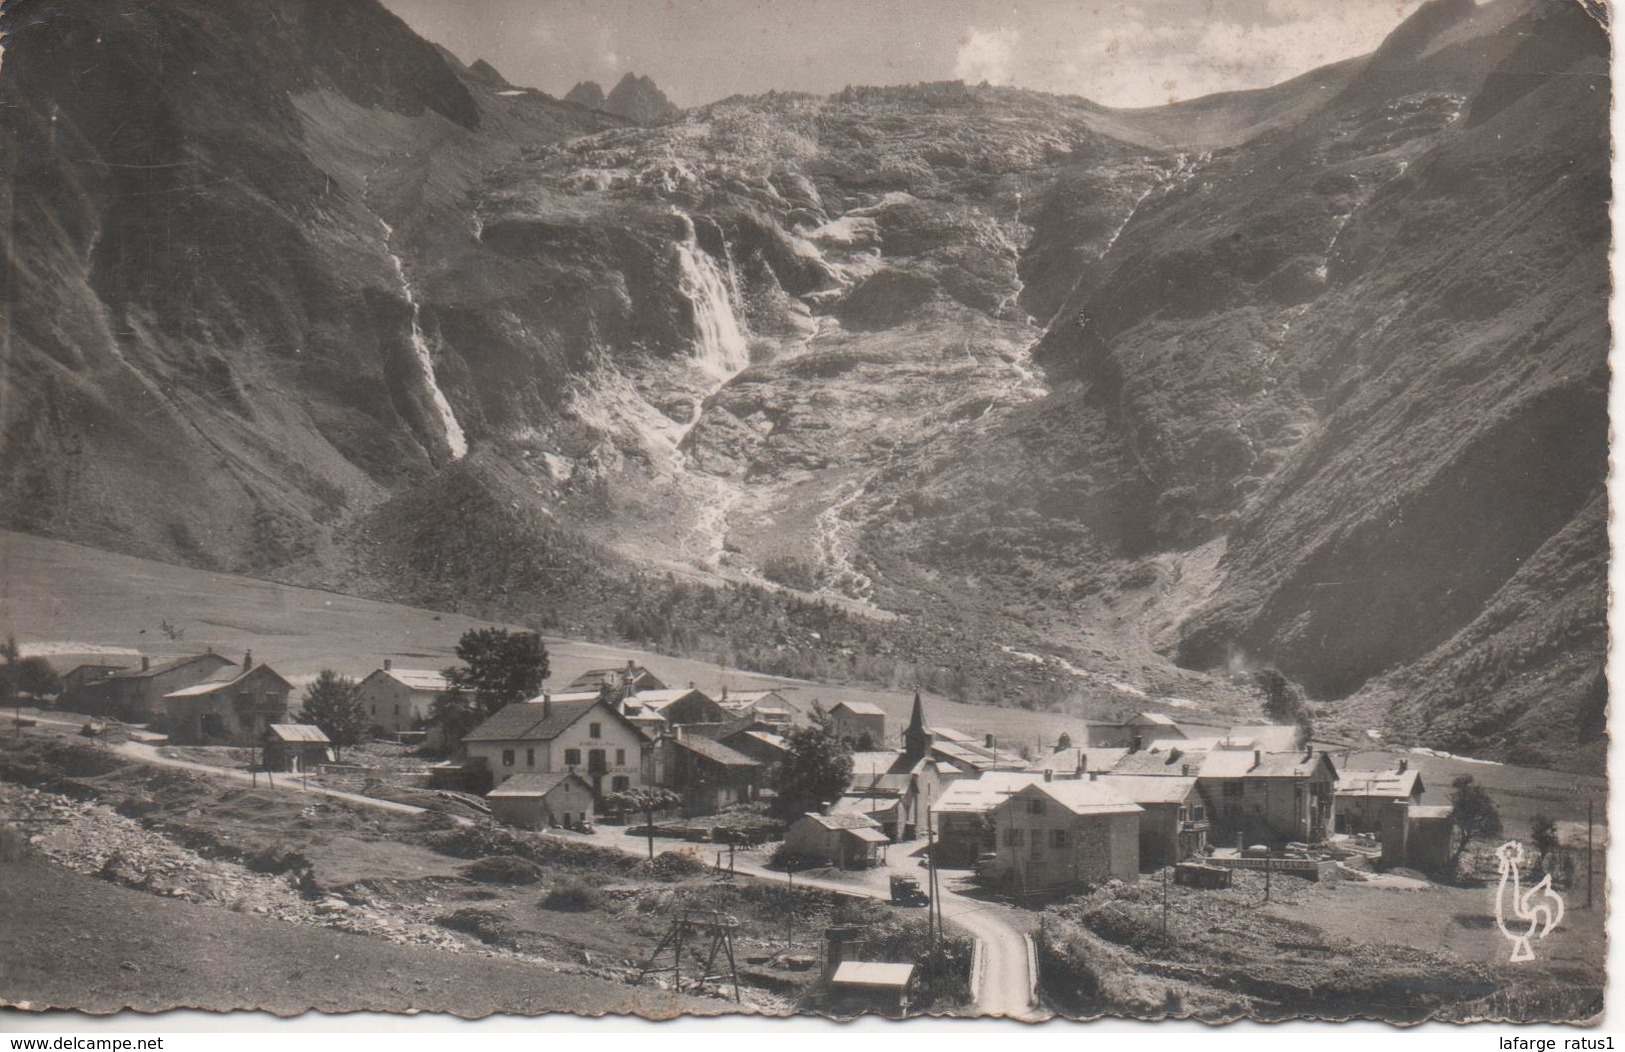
<point x="987" y="55"/>
<point x="1144" y="60"/>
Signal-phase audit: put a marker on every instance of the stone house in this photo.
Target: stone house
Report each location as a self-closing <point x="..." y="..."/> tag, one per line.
<point x="1056" y="836"/>
<point x="848" y="841"/>
<point x="550" y="736"/>
<point x="1268" y="798"/>
<point x="234" y="706"/>
<point x="707" y="775"/>
<point x="1173" y="817"/>
<point x="860" y="722"/>
<point x="544" y="801"/>
<point x="137" y="694"/>
<point x="963" y="815"/>
<point x="1369" y="801"/>
<point x="398" y="700"/>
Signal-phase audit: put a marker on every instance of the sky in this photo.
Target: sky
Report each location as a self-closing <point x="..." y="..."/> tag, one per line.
<point x="1138" y="54"/>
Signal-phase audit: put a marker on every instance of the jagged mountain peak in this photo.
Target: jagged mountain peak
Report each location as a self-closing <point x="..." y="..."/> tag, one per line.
<point x="638" y="98"/>
<point x="588" y="93"/>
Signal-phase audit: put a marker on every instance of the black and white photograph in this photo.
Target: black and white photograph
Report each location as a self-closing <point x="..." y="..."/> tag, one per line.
<point x="912" y="509"/>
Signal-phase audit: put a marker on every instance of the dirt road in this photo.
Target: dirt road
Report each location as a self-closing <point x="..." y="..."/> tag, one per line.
<point x="1007" y="979"/>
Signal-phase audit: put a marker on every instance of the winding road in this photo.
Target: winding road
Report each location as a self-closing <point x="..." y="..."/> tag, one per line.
<point x="1007" y="985"/>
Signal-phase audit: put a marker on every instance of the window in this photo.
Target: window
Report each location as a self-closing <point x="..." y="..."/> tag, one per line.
<point x="595" y="762"/>
<point x="572" y="757"/>
<point x="1037" y="846"/>
<point x="1198" y="813"/>
<point x="1035" y="807"/>
<point x="530" y="757"/>
<point x="397" y="708"/>
<point x="620" y="757"/>
<point x="507" y="757"/>
<point x="620" y="783"/>
<point x="375" y="708"/>
<point x="595" y="730"/>
<point x="1057" y="838"/>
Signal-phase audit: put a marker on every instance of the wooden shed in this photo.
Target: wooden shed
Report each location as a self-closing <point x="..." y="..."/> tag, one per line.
<point x="296" y="747"/>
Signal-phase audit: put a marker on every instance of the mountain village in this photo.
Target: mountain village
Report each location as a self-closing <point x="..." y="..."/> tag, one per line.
<point x="927" y="814"/>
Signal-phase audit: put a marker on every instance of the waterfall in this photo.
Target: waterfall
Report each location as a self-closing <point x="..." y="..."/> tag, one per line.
<point x="455" y="439"/>
<point x="719" y="341"/>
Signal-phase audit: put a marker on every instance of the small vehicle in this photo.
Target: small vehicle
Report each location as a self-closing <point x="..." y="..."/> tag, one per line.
<point x="906" y="891"/>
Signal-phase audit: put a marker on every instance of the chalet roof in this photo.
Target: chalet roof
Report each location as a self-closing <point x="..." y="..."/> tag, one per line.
<point x="1066" y="761"/>
<point x="873" y="973"/>
<point x="860" y="708"/>
<point x="867" y="835"/>
<point x="948" y="734"/>
<point x="752" y="697"/>
<point x="416" y="678"/>
<point x="981" y="795"/>
<point x="170" y="665"/>
<point x="569" y="696"/>
<point x="716" y="752"/>
<point x="1161" y="719"/>
<point x="838" y="820"/>
<point x="1148" y="789"/>
<point x="299" y="732"/>
<point x="533" y="721"/>
<point x="1174" y="761"/>
<point x="1395" y="785"/>
<point x="659" y="699"/>
<point x="875" y="760"/>
<point x="1084" y="796"/>
<point x="1271" y="737"/>
<point x="881" y="809"/>
<point x="765" y="737"/>
<point x="597" y="677"/>
<point x="223" y="679"/>
<point x="1242" y="764"/>
<point x="536" y="784"/>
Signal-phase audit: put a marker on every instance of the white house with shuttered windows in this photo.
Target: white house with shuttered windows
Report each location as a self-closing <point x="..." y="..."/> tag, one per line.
<point x="548" y="736"/>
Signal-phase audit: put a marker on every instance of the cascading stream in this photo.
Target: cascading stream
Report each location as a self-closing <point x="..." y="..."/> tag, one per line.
<point x="456" y="441"/>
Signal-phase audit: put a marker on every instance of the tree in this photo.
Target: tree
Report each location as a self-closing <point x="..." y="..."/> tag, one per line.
<point x="1282" y="699"/>
<point x="499" y="668"/>
<point x="645" y="800"/>
<point x="819" y="717"/>
<point x="1543" y="834"/>
<point x="817" y="770"/>
<point x="1473" y="813"/>
<point x="333" y="703"/>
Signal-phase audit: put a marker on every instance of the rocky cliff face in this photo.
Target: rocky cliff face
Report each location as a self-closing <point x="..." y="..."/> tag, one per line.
<point x="634" y="98"/>
<point x="1313" y="376"/>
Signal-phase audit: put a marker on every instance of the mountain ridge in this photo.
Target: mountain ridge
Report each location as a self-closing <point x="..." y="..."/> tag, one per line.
<point x="1066" y="406"/>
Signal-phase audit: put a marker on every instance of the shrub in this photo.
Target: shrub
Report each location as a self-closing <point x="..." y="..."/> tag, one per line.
<point x="503" y="869"/>
<point x="572" y="896"/>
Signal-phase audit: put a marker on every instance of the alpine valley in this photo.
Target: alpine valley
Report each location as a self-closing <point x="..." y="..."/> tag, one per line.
<point x="1041" y="402"/>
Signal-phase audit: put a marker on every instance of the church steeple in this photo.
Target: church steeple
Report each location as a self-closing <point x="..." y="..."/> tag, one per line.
<point x="916" y="739"/>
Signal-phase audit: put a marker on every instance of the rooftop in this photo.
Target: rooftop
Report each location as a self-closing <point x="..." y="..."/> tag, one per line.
<point x="417" y="678"/>
<point x="873" y="973"/>
<point x="299" y="732"/>
<point x="847" y="820"/>
<point x="533" y="784"/>
<point x="861" y="708"/>
<point x="1396" y="785"/>
<point x="716" y="752"/>
<point x="1085" y="796"/>
<point x="527" y="721"/>
<point x="980" y="795"/>
<point x="1149" y="789"/>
